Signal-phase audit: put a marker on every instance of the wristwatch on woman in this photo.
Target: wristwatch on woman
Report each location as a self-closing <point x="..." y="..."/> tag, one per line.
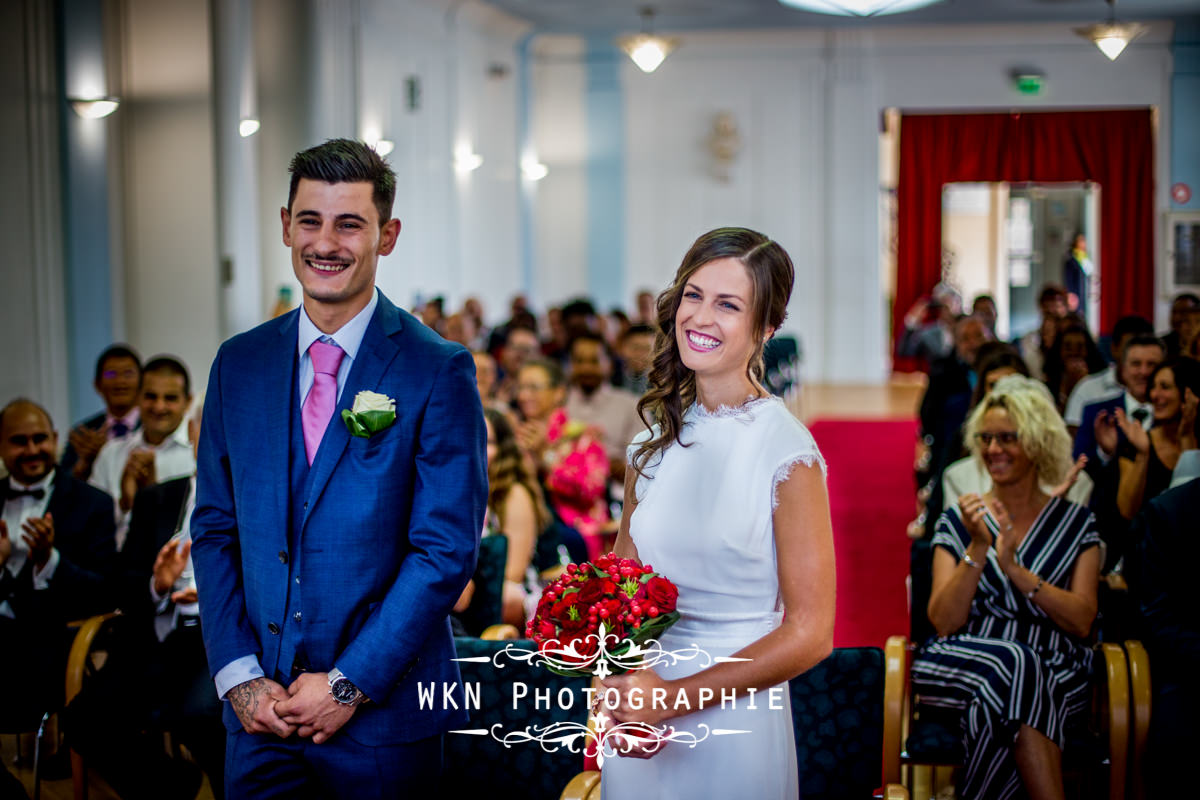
<point x="342" y="690"/>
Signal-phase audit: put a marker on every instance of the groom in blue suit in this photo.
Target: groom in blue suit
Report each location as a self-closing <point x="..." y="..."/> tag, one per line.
<point x="327" y="562"/>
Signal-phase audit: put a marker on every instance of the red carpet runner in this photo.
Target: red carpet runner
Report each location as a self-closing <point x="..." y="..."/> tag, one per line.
<point x="871" y="497"/>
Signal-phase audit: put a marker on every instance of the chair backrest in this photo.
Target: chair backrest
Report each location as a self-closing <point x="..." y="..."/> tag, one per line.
<point x="837" y="714"/>
<point x="481" y="766"/>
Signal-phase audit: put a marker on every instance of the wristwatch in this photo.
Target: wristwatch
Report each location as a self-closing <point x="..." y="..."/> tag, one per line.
<point x="342" y="690"/>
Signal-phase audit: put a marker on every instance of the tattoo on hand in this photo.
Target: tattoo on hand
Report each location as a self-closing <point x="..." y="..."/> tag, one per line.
<point x="245" y="698"/>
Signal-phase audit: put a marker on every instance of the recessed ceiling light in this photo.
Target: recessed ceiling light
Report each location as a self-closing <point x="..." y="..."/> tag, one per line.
<point x="858" y="8"/>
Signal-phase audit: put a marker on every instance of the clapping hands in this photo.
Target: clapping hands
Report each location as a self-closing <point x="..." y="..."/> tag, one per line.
<point x="1134" y="432"/>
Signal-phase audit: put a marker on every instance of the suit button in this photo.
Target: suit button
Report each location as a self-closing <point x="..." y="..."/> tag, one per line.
<point x="297" y="579"/>
<point x="296" y="616"/>
<point x="283" y="557"/>
<point x="272" y="628"/>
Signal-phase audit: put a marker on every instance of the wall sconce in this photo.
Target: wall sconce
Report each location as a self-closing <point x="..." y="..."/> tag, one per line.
<point x="94" y="108"/>
<point x="384" y="146"/>
<point x="248" y="127"/>
<point x="724" y="144"/>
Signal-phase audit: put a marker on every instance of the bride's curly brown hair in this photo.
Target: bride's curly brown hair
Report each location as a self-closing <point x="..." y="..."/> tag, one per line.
<point x="672" y="385"/>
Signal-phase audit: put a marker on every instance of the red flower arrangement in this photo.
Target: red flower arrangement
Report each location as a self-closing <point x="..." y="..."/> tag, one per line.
<point x="597" y="612"/>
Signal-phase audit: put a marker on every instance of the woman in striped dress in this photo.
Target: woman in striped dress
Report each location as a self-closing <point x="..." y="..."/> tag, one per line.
<point x="1014" y="597"/>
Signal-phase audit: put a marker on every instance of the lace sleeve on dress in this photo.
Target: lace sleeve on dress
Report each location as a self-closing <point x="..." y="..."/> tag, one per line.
<point x="784" y="471"/>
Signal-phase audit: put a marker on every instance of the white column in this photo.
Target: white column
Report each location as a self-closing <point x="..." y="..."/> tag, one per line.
<point x="234" y="99"/>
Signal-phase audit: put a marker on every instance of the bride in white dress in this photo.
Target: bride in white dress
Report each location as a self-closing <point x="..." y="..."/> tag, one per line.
<point x="726" y="497"/>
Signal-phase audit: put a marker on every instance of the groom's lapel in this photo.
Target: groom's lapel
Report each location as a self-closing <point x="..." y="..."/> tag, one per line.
<point x="279" y="378"/>
<point x="375" y="355"/>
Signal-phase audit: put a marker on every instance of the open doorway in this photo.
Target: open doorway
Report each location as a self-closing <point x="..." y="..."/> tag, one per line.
<point x="1007" y="240"/>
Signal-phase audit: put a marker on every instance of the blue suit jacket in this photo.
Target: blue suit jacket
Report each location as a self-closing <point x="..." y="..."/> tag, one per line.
<point x="391" y="523"/>
<point x="1085" y="437"/>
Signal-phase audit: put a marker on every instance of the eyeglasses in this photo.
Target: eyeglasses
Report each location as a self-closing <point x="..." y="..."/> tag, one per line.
<point x="532" y="387"/>
<point x="1005" y="438"/>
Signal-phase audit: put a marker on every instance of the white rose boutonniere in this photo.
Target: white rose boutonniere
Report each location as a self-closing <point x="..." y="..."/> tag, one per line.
<point x="372" y="413"/>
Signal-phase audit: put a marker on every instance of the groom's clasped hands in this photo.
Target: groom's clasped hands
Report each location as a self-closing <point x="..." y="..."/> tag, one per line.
<point x="305" y="708"/>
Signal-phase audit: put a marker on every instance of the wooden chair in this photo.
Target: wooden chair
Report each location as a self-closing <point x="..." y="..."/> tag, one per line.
<point x="1139" y="697"/>
<point x="918" y="741"/>
<point x="84" y="660"/>
<point x="838" y="710"/>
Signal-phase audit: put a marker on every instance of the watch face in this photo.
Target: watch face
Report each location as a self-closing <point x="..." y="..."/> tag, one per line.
<point x="343" y="690"/>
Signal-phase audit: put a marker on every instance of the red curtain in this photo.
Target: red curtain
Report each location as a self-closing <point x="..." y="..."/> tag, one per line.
<point x="1113" y="148"/>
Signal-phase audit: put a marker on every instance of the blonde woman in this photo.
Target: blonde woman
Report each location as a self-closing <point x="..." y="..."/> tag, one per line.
<point x="1014" y="597"/>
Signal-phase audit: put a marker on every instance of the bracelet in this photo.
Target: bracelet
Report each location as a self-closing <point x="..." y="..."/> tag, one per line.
<point x="1029" y="595"/>
<point x="970" y="562"/>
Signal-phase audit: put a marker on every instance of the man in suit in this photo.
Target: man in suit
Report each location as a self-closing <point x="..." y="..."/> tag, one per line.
<point x="327" y="563"/>
<point x="1163" y="583"/>
<point x="118" y="381"/>
<point x="156" y="677"/>
<point x="1101" y="441"/>
<point x="56" y="547"/>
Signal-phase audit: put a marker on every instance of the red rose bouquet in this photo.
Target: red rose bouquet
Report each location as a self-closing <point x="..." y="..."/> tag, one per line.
<point x="594" y="618"/>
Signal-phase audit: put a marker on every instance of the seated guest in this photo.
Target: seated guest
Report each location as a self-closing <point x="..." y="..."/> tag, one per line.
<point x="1100" y="439"/>
<point x="1013" y="599"/>
<point x="1073" y="357"/>
<point x="1140" y="356"/>
<point x="592" y="400"/>
<point x="485" y="377"/>
<point x="159" y="451"/>
<point x="56" y="547"/>
<point x="571" y="461"/>
<point x="968" y="475"/>
<point x="1035" y="346"/>
<point x="1165" y="582"/>
<point x="984" y="307"/>
<point x="929" y="326"/>
<point x="156" y="678"/>
<point x="636" y="351"/>
<point x="118" y="381"/>
<point x="521" y="344"/>
<point x="1107" y="384"/>
<point x="1147" y="458"/>
<point x="517" y="510"/>
<point x="1177" y="339"/>
<point x="1189" y="334"/>
<point x="948" y="396"/>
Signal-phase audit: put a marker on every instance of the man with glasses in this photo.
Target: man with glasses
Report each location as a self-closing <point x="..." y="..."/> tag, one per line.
<point x="118" y="381"/>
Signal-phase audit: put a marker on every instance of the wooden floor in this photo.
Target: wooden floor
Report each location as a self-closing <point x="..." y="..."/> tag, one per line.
<point x="899" y="398"/>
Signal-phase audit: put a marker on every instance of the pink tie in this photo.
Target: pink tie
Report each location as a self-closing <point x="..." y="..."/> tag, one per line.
<point x="322" y="397"/>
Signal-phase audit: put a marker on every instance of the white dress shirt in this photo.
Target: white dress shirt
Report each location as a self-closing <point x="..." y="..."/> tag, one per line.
<point x="167" y="616"/>
<point x="173" y="458"/>
<point x="612" y="410"/>
<point x="348" y="337"/>
<point x="1095" y="388"/>
<point x="16" y="511"/>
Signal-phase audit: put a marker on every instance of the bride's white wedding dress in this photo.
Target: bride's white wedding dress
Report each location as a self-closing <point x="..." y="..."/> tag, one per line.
<point x="704" y="520"/>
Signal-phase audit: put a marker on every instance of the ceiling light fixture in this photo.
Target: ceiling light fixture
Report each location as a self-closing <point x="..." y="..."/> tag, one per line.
<point x="858" y="8"/>
<point x="1112" y="36"/>
<point x="95" y="107"/>
<point x="647" y="49"/>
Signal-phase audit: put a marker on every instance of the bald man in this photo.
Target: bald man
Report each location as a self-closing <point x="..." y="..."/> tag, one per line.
<point x="56" y="547"/>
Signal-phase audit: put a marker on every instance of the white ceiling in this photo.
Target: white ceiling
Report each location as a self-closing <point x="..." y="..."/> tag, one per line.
<point x="611" y="16"/>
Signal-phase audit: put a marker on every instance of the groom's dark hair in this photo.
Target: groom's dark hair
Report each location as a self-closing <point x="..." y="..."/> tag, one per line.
<point x="346" y="161"/>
